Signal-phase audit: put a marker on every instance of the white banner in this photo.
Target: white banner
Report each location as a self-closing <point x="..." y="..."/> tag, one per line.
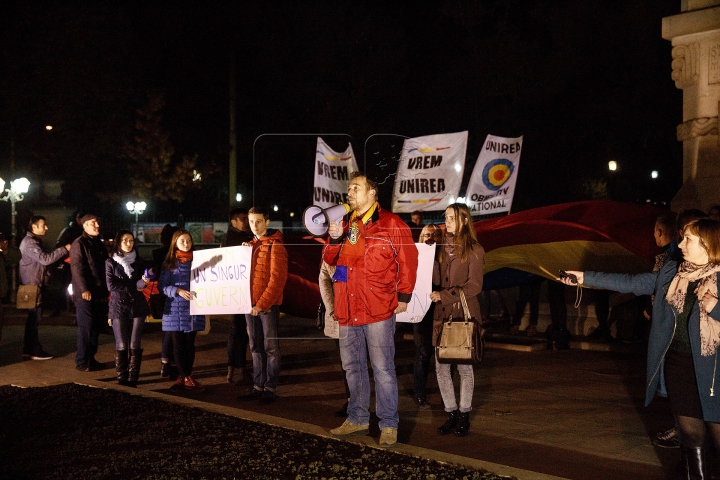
<point x="492" y="184"/>
<point x="430" y="172"/>
<point x="332" y="174"/>
<point x="420" y="303"/>
<point x="220" y="281"/>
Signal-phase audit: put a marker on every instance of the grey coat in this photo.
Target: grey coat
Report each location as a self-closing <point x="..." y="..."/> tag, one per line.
<point x="35" y="259"/>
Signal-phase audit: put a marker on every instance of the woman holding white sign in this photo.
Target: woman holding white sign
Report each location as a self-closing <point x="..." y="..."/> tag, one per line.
<point x="175" y="283"/>
<point x="459" y="266"/>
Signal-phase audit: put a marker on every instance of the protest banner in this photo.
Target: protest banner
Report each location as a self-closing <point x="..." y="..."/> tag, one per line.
<point x="492" y="184"/>
<point x="220" y="281"/>
<point x="332" y="174"/>
<point x="420" y="303"/>
<point x="430" y="172"/>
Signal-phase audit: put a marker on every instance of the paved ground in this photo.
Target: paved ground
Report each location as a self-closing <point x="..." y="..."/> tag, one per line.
<point x="537" y="414"/>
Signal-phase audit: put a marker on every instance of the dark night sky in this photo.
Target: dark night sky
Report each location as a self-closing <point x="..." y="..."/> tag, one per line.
<point x="584" y="82"/>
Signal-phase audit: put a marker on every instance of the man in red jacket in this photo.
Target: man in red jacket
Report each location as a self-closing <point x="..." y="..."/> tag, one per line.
<point x="268" y="274"/>
<point x="376" y="265"/>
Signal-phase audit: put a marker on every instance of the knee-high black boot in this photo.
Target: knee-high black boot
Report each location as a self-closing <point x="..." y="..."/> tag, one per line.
<point x="694" y="465"/>
<point x="121" y="366"/>
<point x="134" y="370"/>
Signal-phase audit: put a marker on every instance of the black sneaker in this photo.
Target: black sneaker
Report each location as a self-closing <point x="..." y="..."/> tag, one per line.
<point x="41" y="355"/>
<point x="83" y="367"/>
<point x="422" y="403"/>
<point x="267" y="396"/>
<point x="253" y="394"/>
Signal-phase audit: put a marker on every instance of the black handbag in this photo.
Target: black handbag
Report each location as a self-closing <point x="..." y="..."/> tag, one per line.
<point x="461" y="340"/>
<point x="320" y="321"/>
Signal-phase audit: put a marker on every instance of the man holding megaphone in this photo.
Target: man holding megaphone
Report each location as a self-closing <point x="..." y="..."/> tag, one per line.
<point x="376" y="264"/>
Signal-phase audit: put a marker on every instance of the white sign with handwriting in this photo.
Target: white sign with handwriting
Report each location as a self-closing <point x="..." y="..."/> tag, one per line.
<point x="220" y="281"/>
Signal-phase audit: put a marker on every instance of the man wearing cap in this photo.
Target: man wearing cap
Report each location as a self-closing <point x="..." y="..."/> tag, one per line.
<point x="33" y="265"/>
<point x="90" y="293"/>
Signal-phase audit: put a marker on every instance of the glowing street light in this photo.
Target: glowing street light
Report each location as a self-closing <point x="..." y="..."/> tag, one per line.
<point x="654" y="174"/>
<point x="612" y="165"/>
<point x="16" y="193"/>
<point x="136" y="209"/>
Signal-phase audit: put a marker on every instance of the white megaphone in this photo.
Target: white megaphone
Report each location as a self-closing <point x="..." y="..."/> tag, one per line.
<point x="317" y="220"/>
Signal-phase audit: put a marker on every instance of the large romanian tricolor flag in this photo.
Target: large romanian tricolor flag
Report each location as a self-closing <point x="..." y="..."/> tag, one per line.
<point x="594" y="235"/>
<point x="597" y="235"/>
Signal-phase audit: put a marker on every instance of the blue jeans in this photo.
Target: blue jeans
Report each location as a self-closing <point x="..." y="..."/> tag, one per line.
<point x="447" y="390"/>
<point x="265" y="347"/>
<point x="376" y="340"/>
<point x="128" y="332"/>
<point x="90" y="319"/>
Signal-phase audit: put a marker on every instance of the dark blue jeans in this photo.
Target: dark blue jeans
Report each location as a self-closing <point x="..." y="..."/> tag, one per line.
<point x="91" y="320"/>
<point x="265" y="346"/>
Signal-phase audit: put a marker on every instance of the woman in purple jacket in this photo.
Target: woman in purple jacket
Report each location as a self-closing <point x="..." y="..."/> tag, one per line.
<point x="125" y="278"/>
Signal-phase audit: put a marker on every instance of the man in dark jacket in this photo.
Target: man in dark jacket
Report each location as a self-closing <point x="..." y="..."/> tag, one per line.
<point x="33" y="263"/>
<point x="237" y="234"/>
<point x="90" y="293"/>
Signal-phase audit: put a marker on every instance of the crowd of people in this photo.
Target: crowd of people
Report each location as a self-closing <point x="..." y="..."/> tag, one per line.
<point x="367" y="276"/>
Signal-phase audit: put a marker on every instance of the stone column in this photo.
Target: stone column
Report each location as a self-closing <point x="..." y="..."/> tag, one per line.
<point x="695" y="37"/>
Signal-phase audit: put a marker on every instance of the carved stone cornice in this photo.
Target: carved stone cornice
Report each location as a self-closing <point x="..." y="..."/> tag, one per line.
<point x="697" y="127"/>
<point x="685" y="64"/>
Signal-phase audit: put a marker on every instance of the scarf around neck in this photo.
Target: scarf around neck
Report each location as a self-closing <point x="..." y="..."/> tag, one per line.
<point x="125" y="261"/>
<point x="706" y="276"/>
<point x="183" y="257"/>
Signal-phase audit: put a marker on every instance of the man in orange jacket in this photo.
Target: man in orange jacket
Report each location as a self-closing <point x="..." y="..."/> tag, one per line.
<point x="268" y="274"/>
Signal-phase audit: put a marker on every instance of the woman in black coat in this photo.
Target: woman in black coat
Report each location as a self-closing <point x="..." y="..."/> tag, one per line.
<point x="124" y="274"/>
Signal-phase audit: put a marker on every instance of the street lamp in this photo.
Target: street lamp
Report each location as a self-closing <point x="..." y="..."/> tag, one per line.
<point x="136" y="208"/>
<point x="16" y="193"/>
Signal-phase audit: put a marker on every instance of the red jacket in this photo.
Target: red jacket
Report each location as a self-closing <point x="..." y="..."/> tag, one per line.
<point x="384" y="275"/>
<point x="269" y="270"/>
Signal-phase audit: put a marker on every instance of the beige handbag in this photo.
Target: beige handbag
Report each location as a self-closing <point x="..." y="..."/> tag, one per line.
<point x="28" y="296"/>
<point x="461" y="340"/>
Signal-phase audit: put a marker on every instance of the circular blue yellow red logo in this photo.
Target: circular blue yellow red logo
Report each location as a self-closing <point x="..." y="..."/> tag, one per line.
<point x="497" y="172"/>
